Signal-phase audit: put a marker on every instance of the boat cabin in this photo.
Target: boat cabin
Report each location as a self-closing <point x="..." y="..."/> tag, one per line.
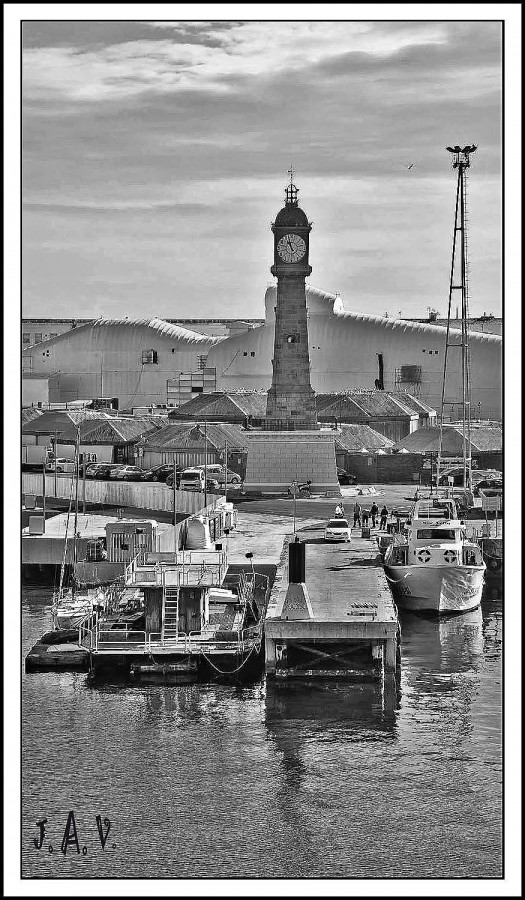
<point x="184" y="596"/>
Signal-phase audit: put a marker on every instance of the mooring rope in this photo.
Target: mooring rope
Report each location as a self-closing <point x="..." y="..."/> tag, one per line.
<point x="231" y="671"/>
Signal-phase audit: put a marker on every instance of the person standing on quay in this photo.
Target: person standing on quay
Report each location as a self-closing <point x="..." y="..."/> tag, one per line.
<point x="384" y="517"/>
<point x="373" y="512"/>
<point x="364" y="516"/>
<point x="357" y="514"/>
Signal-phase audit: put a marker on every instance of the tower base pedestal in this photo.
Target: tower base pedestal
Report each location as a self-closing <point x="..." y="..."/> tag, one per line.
<point x="278" y="458"/>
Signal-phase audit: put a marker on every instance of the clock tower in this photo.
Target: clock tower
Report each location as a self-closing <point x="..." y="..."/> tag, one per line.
<point x="291" y="396"/>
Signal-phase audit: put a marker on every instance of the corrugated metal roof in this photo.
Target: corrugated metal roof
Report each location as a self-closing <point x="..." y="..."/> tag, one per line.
<point x="413" y="403"/>
<point x="29" y="413"/>
<point x="366" y="403"/>
<point x="116" y="431"/>
<point x="59" y="419"/>
<point x="357" y="437"/>
<point x="191" y="436"/>
<point x="224" y="403"/>
<point x="426" y="440"/>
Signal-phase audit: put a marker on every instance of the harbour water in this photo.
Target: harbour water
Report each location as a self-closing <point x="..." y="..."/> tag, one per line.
<point x="290" y="781"/>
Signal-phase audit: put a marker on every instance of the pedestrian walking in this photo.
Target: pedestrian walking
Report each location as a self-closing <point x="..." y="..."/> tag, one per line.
<point x="364" y="516"/>
<point x="357" y="514"/>
<point x="373" y="512"/>
<point x="384" y="517"/>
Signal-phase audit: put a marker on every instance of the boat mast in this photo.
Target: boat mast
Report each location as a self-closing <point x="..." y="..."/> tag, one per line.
<point x="75" y="528"/>
<point x="459" y="274"/>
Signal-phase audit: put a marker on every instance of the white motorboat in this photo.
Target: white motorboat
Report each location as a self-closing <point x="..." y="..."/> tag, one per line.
<point x="435" y="568"/>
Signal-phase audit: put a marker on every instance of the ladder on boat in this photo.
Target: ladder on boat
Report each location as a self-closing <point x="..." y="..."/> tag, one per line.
<point x="170" y="613"/>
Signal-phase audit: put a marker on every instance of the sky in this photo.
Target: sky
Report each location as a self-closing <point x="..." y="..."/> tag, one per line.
<point x="155" y="157"/>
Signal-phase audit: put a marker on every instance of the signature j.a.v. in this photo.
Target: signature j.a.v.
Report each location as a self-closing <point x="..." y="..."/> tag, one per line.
<point x="70" y="839"/>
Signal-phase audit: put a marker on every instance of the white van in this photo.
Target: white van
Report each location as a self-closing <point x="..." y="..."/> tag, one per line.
<point x="192" y="480"/>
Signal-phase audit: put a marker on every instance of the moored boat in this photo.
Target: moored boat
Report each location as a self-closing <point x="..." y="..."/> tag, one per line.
<point x="435" y="568"/>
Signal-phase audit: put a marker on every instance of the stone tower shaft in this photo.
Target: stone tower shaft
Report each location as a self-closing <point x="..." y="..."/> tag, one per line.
<point x="291" y="396"/>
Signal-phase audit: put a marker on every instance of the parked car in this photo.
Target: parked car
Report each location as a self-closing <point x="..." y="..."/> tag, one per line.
<point x="456" y="472"/>
<point x="338" y="530"/>
<point x="218" y="473"/>
<point x="98" y="470"/>
<point x="345" y="477"/>
<point x="193" y="479"/>
<point x="67" y="466"/>
<point x="161" y="473"/>
<point x="126" y="473"/>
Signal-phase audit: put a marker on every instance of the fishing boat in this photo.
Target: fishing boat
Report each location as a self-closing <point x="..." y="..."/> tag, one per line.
<point x="434" y="567"/>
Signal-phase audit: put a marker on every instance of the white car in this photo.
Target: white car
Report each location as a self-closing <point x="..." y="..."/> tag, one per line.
<point x="63" y="465"/>
<point x="218" y="473"/>
<point x="338" y="530"/>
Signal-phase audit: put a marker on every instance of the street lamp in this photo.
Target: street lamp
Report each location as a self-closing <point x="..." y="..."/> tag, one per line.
<point x="249" y="556"/>
<point x="294" y="486"/>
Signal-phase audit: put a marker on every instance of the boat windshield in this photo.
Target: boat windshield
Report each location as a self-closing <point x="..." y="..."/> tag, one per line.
<point x="436" y="534"/>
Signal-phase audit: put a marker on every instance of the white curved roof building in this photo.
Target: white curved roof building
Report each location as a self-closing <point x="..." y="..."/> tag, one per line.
<point x="132" y="359"/>
<point x="350" y="350"/>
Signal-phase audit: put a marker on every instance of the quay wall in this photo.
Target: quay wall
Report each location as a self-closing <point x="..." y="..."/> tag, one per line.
<point x="140" y="495"/>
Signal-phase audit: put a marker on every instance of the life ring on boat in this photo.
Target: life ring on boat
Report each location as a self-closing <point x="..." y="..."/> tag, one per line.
<point x="424" y="555"/>
<point x="450" y="556"/>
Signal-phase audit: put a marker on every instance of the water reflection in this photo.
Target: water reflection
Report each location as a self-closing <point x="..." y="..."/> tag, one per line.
<point x="446" y="643"/>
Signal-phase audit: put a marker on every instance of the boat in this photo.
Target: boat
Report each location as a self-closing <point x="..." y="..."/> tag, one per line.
<point x="434" y="567"/>
<point x="72" y="605"/>
<point x="72" y="608"/>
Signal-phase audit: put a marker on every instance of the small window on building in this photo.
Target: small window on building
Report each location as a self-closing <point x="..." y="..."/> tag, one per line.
<point x="245" y="353"/>
<point x="38" y="337"/>
<point x="149" y="357"/>
<point x="26" y="338"/>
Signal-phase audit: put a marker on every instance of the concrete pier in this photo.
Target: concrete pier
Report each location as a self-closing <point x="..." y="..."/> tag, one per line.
<point x="348" y="626"/>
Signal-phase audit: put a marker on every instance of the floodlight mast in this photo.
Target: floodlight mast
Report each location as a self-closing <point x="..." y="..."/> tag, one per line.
<point x="459" y="282"/>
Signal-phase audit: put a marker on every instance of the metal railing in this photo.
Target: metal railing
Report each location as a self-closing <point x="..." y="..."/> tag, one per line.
<point x="126" y="639"/>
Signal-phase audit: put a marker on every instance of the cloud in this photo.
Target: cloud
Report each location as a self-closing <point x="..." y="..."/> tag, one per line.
<point x="143" y="147"/>
<point x="250" y="49"/>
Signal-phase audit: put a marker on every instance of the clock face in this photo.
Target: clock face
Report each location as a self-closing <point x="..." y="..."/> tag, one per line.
<point x="291" y="248"/>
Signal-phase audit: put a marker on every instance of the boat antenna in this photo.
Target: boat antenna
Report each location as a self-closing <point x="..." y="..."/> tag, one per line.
<point x="459" y="282"/>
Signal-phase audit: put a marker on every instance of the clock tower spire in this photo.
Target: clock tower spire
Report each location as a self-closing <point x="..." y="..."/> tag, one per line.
<point x="291" y="396"/>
